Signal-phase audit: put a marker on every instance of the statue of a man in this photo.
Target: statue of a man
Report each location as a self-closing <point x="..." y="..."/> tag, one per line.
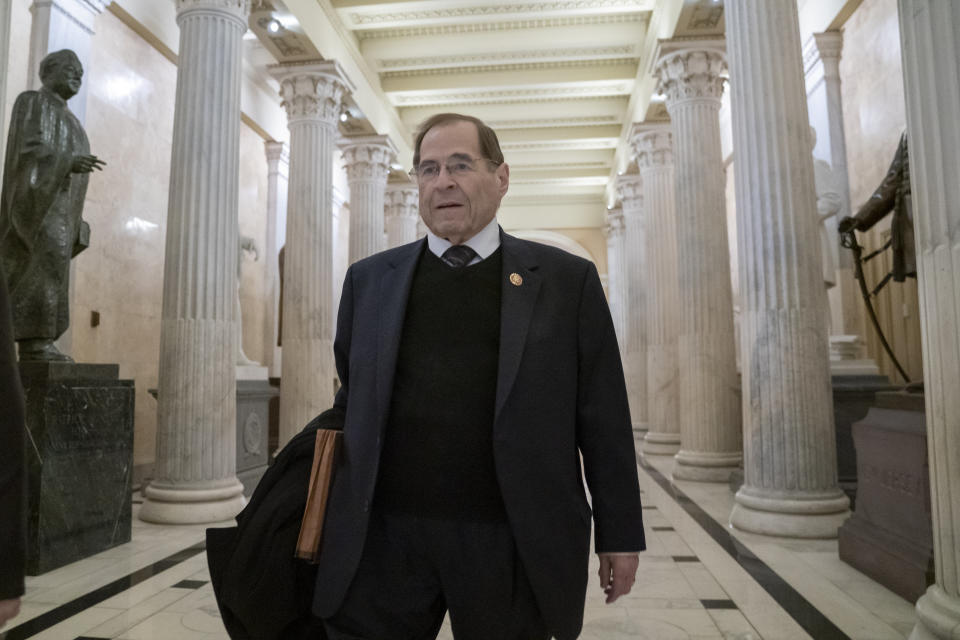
<point x="44" y="185"/>
<point x="893" y="194"/>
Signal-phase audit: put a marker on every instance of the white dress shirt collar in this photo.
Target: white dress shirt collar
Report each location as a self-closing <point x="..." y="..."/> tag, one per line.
<point x="485" y="242"/>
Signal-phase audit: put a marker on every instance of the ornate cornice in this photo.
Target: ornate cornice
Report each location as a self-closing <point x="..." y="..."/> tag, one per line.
<point x="652" y="146"/>
<point x="482" y="97"/>
<point x="512" y="25"/>
<point x="521" y="66"/>
<point x="485" y="10"/>
<point x="595" y="53"/>
<point x="630" y="192"/>
<point x="551" y="145"/>
<point x="312" y="91"/>
<point x="367" y="158"/>
<point x="690" y="74"/>
<point x="542" y="123"/>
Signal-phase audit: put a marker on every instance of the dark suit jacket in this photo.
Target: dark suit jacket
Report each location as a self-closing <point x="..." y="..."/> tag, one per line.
<point x="560" y="392"/>
<point x="12" y="460"/>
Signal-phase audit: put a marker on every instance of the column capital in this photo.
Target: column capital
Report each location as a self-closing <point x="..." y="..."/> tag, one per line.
<point x="829" y="44"/>
<point x="367" y="157"/>
<point x="629" y="189"/>
<point x="237" y="9"/>
<point x="614" y="224"/>
<point x="312" y="91"/>
<point x="691" y="73"/>
<point x="276" y="152"/>
<point x="401" y="200"/>
<point x="652" y="144"/>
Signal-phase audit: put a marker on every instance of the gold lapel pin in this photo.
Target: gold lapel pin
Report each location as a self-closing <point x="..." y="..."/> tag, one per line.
<point x="515" y="279"/>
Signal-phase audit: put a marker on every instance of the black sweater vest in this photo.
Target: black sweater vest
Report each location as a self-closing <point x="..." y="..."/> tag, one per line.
<point x="437" y="457"/>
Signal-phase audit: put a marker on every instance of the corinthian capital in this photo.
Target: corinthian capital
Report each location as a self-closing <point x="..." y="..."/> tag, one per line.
<point x="312" y="90"/>
<point x="629" y="187"/>
<point x="400" y="200"/>
<point x="652" y="145"/>
<point x="368" y="158"/>
<point x="614" y="225"/>
<point x="691" y="74"/>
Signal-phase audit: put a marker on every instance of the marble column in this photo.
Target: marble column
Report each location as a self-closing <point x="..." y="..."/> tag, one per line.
<point x="709" y="406"/>
<point x="278" y="173"/>
<point x="930" y="39"/>
<point x="825" y="104"/>
<point x="63" y="24"/>
<point x="790" y="486"/>
<point x="634" y="348"/>
<point x="653" y="147"/>
<point x="367" y="161"/>
<point x="615" y="271"/>
<point x="312" y="95"/>
<point x="5" y="11"/>
<point x="402" y="210"/>
<point x="421" y="228"/>
<point x="195" y="476"/>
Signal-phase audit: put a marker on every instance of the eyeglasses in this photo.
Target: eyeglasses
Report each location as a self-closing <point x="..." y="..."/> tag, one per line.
<point x="457" y="165"/>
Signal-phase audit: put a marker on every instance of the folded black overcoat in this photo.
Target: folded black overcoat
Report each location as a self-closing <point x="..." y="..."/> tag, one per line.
<point x="263" y="591"/>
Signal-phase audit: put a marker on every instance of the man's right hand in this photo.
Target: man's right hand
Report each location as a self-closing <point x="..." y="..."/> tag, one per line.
<point x="86" y="164"/>
<point x="9" y="610"/>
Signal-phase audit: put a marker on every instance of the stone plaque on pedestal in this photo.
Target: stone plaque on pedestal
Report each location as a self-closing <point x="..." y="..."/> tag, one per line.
<point x="889" y="537"/>
<point x="253" y="422"/>
<point x="79" y="461"/>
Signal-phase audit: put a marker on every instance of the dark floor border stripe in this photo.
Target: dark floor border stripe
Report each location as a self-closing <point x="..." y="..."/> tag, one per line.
<point x="798" y="607"/>
<point x="69" y="609"/>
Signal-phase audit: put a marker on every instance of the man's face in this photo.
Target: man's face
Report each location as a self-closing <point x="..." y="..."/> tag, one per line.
<point x="457" y="207"/>
<point x="64" y="80"/>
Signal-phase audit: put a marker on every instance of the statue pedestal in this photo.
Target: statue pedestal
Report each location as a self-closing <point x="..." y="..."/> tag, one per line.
<point x="253" y="422"/>
<point x="853" y="396"/>
<point x="889" y="537"/>
<point x="79" y="461"/>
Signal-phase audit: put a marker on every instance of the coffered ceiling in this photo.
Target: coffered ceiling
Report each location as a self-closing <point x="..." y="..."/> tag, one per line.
<point x="560" y="81"/>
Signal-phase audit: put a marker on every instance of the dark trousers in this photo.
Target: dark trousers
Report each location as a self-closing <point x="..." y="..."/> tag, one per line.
<point x="415" y="569"/>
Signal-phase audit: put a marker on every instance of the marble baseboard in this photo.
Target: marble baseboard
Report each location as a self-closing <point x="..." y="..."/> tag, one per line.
<point x="80" y="461"/>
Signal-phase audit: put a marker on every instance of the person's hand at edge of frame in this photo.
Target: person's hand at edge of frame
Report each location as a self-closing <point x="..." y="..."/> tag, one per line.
<point x="9" y="609"/>
<point x="618" y="572"/>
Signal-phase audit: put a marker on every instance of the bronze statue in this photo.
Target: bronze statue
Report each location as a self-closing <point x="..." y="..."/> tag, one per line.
<point x="893" y="194"/>
<point x="44" y="185"/>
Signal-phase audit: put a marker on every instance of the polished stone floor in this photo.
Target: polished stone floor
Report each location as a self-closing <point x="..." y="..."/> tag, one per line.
<point x="698" y="579"/>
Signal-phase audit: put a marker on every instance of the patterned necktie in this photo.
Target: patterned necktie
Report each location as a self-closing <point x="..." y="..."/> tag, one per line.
<point x="458" y="256"/>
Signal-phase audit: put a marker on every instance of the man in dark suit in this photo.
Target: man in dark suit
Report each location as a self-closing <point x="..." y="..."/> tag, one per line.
<point x="477" y="369"/>
<point x="12" y="469"/>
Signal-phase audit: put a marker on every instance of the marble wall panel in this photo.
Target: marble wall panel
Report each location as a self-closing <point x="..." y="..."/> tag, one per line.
<point x="17" y="57"/>
<point x="130" y="103"/>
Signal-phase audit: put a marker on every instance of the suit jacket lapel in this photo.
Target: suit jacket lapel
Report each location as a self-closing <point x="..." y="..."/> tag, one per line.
<point x="517" y="302"/>
<point x="394" y="293"/>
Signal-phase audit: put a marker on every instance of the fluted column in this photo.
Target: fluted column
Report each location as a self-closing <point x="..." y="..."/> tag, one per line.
<point x="930" y="38"/>
<point x="402" y="211"/>
<point x="634" y="302"/>
<point x="195" y="475"/>
<point x="367" y="160"/>
<point x="711" y="441"/>
<point x="790" y="486"/>
<point x="653" y="148"/>
<point x="615" y="271"/>
<point x="278" y="164"/>
<point x="312" y="94"/>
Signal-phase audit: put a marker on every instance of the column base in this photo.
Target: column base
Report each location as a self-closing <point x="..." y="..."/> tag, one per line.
<point x="661" y="444"/>
<point x="706" y="466"/>
<point x="938" y="616"/>
<point x="790" y="514"/>
<point x="166" y="503"/>
<point x="640" y="430"/>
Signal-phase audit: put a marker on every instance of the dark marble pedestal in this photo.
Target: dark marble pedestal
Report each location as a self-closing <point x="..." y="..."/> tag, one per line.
<point x="853" y="395"/>
<point x="889" y="536"/>
<point x="79" y="461"/>
<point x="253" y="422"/>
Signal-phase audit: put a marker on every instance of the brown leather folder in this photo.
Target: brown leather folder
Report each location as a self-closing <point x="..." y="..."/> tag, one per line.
<point x="326" y="449"/>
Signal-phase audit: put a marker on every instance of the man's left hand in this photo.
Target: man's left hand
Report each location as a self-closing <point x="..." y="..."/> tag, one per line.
<point x="617" y="573"/>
